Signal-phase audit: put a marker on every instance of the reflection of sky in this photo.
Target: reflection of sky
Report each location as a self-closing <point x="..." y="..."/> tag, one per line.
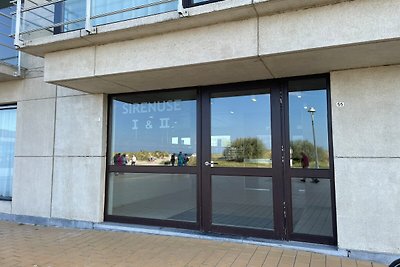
<point x="171" y="126"/>
<point x="5" y="30"/>
<point x="105" y="6"/>
<point x="240" y="117"/>
<point x="300" y="118"/>
<point x="163" y="126"/>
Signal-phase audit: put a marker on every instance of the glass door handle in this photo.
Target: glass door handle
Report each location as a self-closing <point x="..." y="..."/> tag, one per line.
<point x="211" y="163"/>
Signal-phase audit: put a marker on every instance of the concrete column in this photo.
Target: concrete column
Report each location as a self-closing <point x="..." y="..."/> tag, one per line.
<point x="34" y="146"/>
<point x="367" y="158"/>
<point x="79" y="165"/>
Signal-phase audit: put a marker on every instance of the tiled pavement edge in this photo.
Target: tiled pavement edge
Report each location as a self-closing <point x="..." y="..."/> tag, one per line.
<point x="37" y="246"/>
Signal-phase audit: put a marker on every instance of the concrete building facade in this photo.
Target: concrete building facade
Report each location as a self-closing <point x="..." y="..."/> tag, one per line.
<point x="192" y="56"/>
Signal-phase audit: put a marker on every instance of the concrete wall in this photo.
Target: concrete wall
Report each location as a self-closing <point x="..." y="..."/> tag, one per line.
<point x="59" y="150"/>
<point x="367" y="158"/>
<point x="315" y="40"/>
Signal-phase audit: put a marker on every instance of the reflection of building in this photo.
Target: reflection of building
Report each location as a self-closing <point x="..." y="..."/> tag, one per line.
<point x="219" y="143"/>
<point x="78" y="71"/>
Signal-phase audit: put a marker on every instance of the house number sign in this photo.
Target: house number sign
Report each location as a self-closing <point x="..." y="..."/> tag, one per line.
<point x="340" y="104"/>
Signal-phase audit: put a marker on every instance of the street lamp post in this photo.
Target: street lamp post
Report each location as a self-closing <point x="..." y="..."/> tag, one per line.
<point x="312" y="111"/>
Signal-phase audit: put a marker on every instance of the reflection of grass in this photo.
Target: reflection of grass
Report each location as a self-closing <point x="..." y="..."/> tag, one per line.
<point x="322" y="164"/>
<point x="222" y="162"/>
<point x="192" y="161"/>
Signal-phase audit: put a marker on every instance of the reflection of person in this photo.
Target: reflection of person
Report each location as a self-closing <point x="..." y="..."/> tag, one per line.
<point x="185" y="159"/>
<point x="124" y="160"/>
<point x="119" y="159"/>
<point x="133" y="160"/>
<point x="181" y="159"/>
<point x="172" y="159"/>
<point x="116" y="156"/>
<point x="305" y="163"/>
<point x="304" y="160"/>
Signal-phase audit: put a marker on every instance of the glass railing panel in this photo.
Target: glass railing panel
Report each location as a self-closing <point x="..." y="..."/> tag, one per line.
<point x="8" y="54"/>
<point x="53" y="18"/>
<point x="68" y="15"/>
<point x="109" y="11"/>
<point x="38" y="19"/>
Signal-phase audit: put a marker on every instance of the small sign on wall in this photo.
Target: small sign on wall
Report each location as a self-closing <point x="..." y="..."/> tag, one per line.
<point x="340" y="104"/>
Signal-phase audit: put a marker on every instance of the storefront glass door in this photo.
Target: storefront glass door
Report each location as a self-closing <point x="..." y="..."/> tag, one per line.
<point x="251" y="159"/>
<point x="238" y="161"/>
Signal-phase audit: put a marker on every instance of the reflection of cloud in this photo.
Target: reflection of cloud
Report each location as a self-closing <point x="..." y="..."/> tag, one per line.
<point x="296" y="93"/>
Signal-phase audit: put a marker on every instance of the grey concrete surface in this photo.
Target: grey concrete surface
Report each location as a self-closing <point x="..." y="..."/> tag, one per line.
<point x="81" y="126"/>
<point x="297" y="42"/>
<point x="367" y="157"/>
<point x="79" y="188"/>
<point x="367" y="125"/>
<point x="35" y="130"/>
<point x="32" y="184"/>
<point x="36" y="89"/>
<point x="367" y="204"/>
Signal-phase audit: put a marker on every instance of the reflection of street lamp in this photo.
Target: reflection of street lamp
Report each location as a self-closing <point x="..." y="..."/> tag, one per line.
<point x="312" y="111"/>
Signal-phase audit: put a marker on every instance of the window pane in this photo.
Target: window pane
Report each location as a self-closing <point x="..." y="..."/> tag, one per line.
<point x="308" y="121"/>
<point x="153" y="195"/>
<point x="241" y="129"/>
<point x="7" y="144"/>
<point x="242" y="201"/>
<point x="311" y="206"/>
<point x="154" y="129"/>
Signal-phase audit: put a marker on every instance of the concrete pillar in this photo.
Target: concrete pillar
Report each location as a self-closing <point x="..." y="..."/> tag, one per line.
<point x="367" y="157"/>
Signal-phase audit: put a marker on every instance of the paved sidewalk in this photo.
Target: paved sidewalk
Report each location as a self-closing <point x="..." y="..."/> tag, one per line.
<point x="26" y="245"/>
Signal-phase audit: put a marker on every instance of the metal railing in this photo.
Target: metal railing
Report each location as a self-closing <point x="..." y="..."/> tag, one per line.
<point x="8" y="53"/>
<point x="36" y="19"/>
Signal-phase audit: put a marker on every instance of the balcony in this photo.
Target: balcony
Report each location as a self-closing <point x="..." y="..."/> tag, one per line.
<point x="54" y="21"/>
<point x="45" y="26"/>
<point x="121" y="46"/>
<point x="9" y="57"/>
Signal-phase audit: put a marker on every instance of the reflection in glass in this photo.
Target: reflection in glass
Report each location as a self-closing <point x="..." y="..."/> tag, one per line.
<point x="8" y="54"/>
<point x="152" y="195"/>
<point x="308" y="129"/>
<point x="7" y="144"/>
<point x="241" y="129"/>
<point x="120" y="10"/>
<point x="154" y="129"/>
<point x="242" y="201"/>
<point x="72" y="10"/>
<point x="311" y="207"/>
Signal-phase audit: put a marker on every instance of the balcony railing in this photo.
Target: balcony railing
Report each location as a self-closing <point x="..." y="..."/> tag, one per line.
<point x="8" y="54"/>
<point x="34" y="20"/>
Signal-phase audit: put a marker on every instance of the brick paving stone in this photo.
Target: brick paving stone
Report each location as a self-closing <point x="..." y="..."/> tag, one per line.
<point x="35" y="246"/>
<point x="348" y="263"/>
